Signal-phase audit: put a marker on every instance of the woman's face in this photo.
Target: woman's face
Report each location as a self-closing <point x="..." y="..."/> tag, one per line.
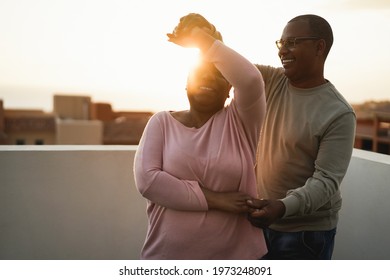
<point x="207" y="88"/>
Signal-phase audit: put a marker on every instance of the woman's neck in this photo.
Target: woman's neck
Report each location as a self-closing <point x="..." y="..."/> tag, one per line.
<point x="192" y="118"/>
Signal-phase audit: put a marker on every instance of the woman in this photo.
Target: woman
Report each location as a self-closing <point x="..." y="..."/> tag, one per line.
<point x="196" y="167"/>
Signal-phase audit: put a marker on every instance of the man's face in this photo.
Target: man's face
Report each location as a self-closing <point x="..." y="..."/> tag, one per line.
<point x="299" y="54"/>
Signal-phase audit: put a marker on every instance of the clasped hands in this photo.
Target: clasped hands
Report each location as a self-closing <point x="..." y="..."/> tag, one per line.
<point x="264" y="212"/>
<point x="261" y="212"/>
<point x="183" y="33"/>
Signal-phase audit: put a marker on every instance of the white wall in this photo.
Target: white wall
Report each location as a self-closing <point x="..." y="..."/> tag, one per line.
<point x="364" y="226"/>
<point x="69" y="202"/>
<point x="80" y="202"/>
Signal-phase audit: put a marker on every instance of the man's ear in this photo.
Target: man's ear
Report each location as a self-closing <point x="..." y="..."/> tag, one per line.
<point x="321" y="46"/>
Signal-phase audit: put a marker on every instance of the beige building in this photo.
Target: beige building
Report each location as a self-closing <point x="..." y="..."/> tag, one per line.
<point x="74" y="107"/>
<point x="79" y="132"/>
<point x="73" y="121"/>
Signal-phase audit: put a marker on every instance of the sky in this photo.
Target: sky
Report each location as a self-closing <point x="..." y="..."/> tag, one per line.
<point x="116" y="51"/>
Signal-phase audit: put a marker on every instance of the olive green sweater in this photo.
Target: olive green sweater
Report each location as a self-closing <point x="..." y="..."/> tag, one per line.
<point x="304" y="151"/>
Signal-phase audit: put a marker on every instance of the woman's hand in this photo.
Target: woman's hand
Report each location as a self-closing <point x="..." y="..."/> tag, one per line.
<point x="190" y="26"/>
<point x="234" y="202"/>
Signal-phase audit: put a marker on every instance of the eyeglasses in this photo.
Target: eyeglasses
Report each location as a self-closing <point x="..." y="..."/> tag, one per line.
<point x="290" y="43"/>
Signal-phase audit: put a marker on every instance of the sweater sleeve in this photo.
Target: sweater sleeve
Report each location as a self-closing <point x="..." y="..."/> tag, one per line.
<point x="248" y="85"/>
<point x="240" y="72"/>
<point x="157" y="185"/>
<point x="330" y="168"/>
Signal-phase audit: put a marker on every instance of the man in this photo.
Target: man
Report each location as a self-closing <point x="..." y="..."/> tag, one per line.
<point x="305" y="146"/>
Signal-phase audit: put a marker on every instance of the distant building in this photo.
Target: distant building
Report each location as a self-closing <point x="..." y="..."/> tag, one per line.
<point x="373" y="131"/>
<point x="73" y="107"/>
<point x="2" y="124"/>
<point x="373" y="126"/>
<point x="75" y="120"/>
<point x="28" y="127"/>
<point x="123" y="128"/>
<point x="79" y="132"/>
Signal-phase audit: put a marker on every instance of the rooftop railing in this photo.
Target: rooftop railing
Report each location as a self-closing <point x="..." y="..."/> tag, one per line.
<point x="80" y="202"/>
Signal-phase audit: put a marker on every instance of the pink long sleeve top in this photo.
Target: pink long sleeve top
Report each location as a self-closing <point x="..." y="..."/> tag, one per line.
<point x="173" y="161"/>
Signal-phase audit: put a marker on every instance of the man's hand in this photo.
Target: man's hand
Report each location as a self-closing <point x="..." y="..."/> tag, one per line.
<point x="265" y="212"/>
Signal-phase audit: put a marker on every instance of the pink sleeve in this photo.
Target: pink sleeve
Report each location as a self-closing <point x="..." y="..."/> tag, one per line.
<point x="248" y="84"/>
<point x="157" y="185"/>
<point x="243" y="75"/>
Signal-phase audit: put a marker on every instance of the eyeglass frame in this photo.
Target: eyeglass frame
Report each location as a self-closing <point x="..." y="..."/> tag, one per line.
<point x="282" y="43"/>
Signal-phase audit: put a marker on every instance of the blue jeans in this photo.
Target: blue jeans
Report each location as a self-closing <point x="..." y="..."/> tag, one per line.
<point x="303" y="245"/>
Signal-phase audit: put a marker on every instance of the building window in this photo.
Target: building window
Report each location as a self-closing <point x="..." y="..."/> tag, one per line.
<point x="20" y="142"/>
<point x="39" y="142"/>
